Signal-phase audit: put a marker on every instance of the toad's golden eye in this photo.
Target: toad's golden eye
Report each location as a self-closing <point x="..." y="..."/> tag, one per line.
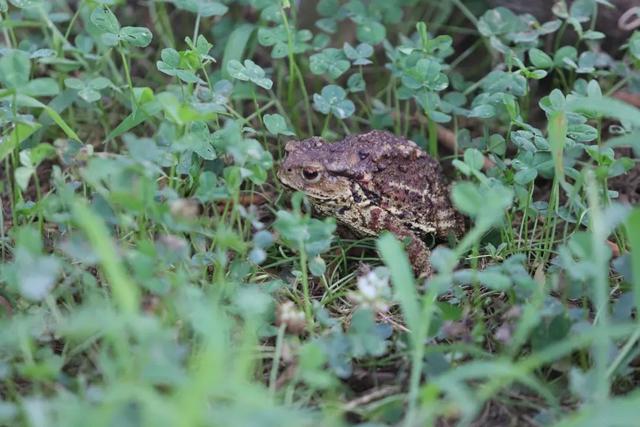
<point x="311" y="175"/>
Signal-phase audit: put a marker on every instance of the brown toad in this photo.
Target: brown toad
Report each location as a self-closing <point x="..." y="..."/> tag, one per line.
<point x="374" y="182"/>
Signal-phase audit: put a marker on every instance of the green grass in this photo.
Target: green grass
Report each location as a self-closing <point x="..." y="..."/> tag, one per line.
<point x="154" y="272"/>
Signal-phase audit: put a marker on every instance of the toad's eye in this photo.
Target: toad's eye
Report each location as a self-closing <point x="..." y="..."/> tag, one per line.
<point x="311" y="175"/>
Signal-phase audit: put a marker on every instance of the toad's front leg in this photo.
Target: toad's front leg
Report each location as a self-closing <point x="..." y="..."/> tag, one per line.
<point x="418" y="251"/>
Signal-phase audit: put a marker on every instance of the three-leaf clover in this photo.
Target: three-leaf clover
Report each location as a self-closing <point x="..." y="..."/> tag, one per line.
<point x="330" y="61"/>
<point x="333" y="99"/>
<point x="113" y="34"/>
<point x="201" y="47"/>
<point x="359" y="54"/>
<point x="426" y="74"/>
<point x="88" y="89"/>
<point x="279" y="39"/>
<point x="301" y="232"/>
<point x="250" y="71"/>
<point x="172" y="64"/>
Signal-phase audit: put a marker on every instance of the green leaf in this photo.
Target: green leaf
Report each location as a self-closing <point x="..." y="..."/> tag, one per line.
<point x="634" y="45"/>
<point x="332" y="99"/>
<point x="23" y="175"/>
<point x="236" y="46"/>
<point x="370" y="31"/>
<point x="402" y="278"/>
<point x="25" y="4"/>
<point x="317" y="266"/>
<point x="124" y="290"/>
<point x="330" y="61"/>
<point x="606" y="107"/>
<point x="18" y="134"/>
<point x="633" y="231"/>
<point x="105" y="20"/>
<point x="204" y="8"/>
<point x="74" y="83"/>
<point x="483" y="202"/>
<point x="136" y="36"/>
<point x="28" y="101"/>
<point x="540" y="59"/>
<point x="276" y="124"/>
<point x="110" y="39"/>
<point x="44" y="86"/>
<point x="170" y="57"/>
<point x="360" y="54"/>
<point x="38" y="276"/>
<point x="467" y="198"/>
<point x="15" y="69"/>
<point x="474" y="158"/>
<point x="356" y="83"/>
<point x="89" y="95"/>
<point x="618" y="411"/>
<point x="99" y="83"/>
<point x="525" y="176"/>
<point x="366" y="337"/>
<point x="250" y="71"/>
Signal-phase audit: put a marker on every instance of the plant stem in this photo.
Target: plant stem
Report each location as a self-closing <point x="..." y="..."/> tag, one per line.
<point x="305" y="287"/>
<point x="433" y="136"/>
<point x="277" y="355"/>
<point x="125" y="63"/>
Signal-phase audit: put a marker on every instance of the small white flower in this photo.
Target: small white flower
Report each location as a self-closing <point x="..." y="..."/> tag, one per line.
<point x="289" y="315"/>
<point x="373" y="290"/>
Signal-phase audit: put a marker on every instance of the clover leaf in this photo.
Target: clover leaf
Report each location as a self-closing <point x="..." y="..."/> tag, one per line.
<point x="540" y="59"/>
<point x="136" y="36"/>
<point x="367" y="338"/>
<point x="330" y="61"/>
<point x="369" y="29"/>
<point x="201" y="47"/>
<point x="356" y="83"/>
<point x="33" y="273"/>
<point x="15" y="69"/>
<point x="483" y="202"/>
<point x="360" y="54"/>
<point x="113" y="34"/>
<point x="172" y="64"/>
<point x="250" y="71"/>
<point x="426" y="74"/>
<point x="301" y="232"/>
<point x="279" y="39"/>
<point x="333" y="99"/>
<point x="276" y="124"/>
<point x="247" y="153"/>
<point x="88" y="89"/>
<point x="204" y="8"/>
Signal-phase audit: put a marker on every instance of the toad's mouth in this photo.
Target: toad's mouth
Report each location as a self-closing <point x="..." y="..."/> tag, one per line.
<point x="311" y="193"/>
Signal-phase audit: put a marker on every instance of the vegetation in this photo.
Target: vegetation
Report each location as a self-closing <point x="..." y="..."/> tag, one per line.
<point x="154" y="272"/>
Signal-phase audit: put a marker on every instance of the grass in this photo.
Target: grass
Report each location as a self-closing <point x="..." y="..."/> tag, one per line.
<point x="154" y="271"/>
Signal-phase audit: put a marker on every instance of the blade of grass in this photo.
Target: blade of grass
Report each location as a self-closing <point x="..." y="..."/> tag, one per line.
<point x="124" y="290"/>
<point x="27" y="101"/>
<point x="607" y="107"/>
<point x="633" y="231"/>
<point x="236" y="46"/>
<point x="600" y="289"/>
<point x="417" y="319"/>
